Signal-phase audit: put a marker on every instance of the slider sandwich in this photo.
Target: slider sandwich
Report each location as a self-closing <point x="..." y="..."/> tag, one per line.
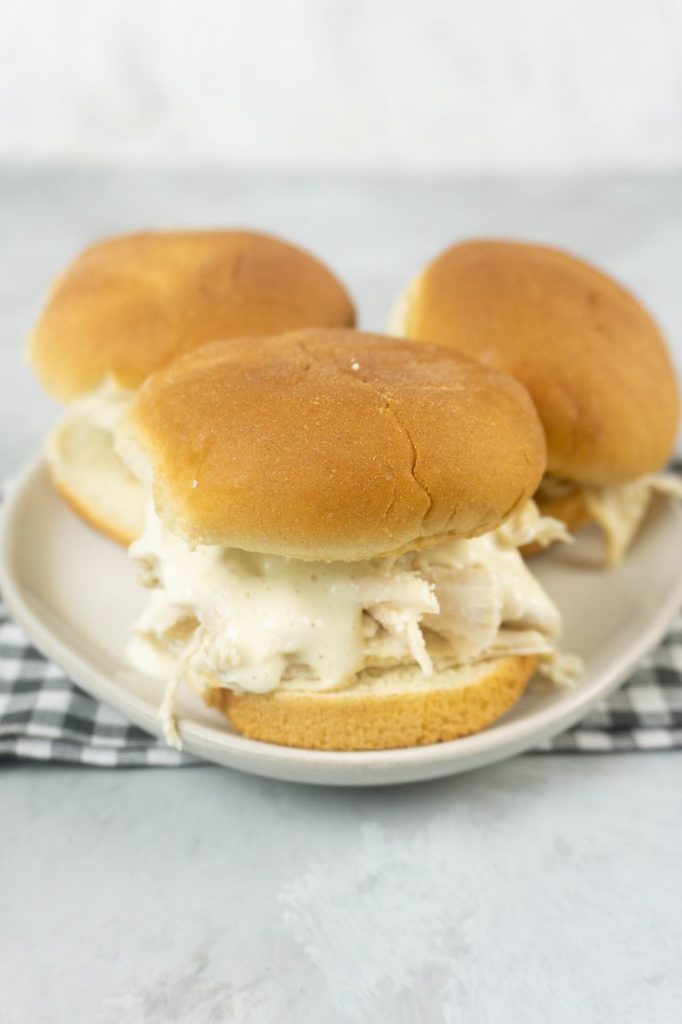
<point x="129" y="305"/>
<point x="331" y="539"/>
<point x="592" y="358"/>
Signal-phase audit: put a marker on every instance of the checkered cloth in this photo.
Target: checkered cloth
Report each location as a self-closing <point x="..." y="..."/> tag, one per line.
<point x="644" y="714"/>
<point x="44" y="717"/>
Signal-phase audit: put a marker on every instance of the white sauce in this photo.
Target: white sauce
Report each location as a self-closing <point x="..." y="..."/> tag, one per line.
<point x="256" y="622"/>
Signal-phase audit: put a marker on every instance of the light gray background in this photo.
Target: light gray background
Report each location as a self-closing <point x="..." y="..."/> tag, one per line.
<point x="426" y="85"/>
<point x="547" y="889"/>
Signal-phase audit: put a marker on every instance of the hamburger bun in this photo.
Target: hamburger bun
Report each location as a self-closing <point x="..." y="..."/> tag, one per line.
<point x="130" y="304"/>
<point x="593" y="359"/>
<point x="333" y="445"/>
<point x="402" y="710"/>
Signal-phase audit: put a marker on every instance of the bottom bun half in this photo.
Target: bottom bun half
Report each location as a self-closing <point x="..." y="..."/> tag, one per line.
<point x="88" y="474"/>
<point x="408" y="712"/>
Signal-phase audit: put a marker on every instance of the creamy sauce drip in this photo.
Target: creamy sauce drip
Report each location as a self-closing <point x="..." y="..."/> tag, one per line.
<point x="257" y="622"/>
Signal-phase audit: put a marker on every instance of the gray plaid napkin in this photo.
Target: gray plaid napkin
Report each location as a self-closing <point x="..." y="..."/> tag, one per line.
<point x="644" y="714"/>
<point x="44" y="717"/>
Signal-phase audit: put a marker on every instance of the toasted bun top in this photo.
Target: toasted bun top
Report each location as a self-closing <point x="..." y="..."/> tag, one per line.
<point x="128" y="305"/>
<point x="334" y="444"/>
<point x="592" y="358"/>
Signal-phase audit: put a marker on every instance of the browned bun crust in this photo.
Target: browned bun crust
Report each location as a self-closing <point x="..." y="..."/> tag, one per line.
<point x="129" y="304"/>
<point x="591" y="356"/>
<point x="335" y="445"/>
<point x="352" y="720"/>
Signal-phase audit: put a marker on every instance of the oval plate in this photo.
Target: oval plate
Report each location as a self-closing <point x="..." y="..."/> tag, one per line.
<point x="76" y="594"/>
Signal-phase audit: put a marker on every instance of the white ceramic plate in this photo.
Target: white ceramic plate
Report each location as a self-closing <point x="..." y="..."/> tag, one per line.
<point x="76" y="594"/>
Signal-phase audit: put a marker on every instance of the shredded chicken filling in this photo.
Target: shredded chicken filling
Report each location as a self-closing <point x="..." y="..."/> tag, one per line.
<point x="619" y="511"/>
<point x="229" y="618"/>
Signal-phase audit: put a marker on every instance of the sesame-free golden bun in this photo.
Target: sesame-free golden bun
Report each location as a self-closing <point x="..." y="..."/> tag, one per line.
<point x="591" y="356"/>
<point x="129" y="304"/>
<point x="333" y="445"/>
<point x="403" y="711"/>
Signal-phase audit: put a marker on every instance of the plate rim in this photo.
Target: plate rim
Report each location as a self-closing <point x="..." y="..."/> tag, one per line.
<point x="448" y="757"/>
